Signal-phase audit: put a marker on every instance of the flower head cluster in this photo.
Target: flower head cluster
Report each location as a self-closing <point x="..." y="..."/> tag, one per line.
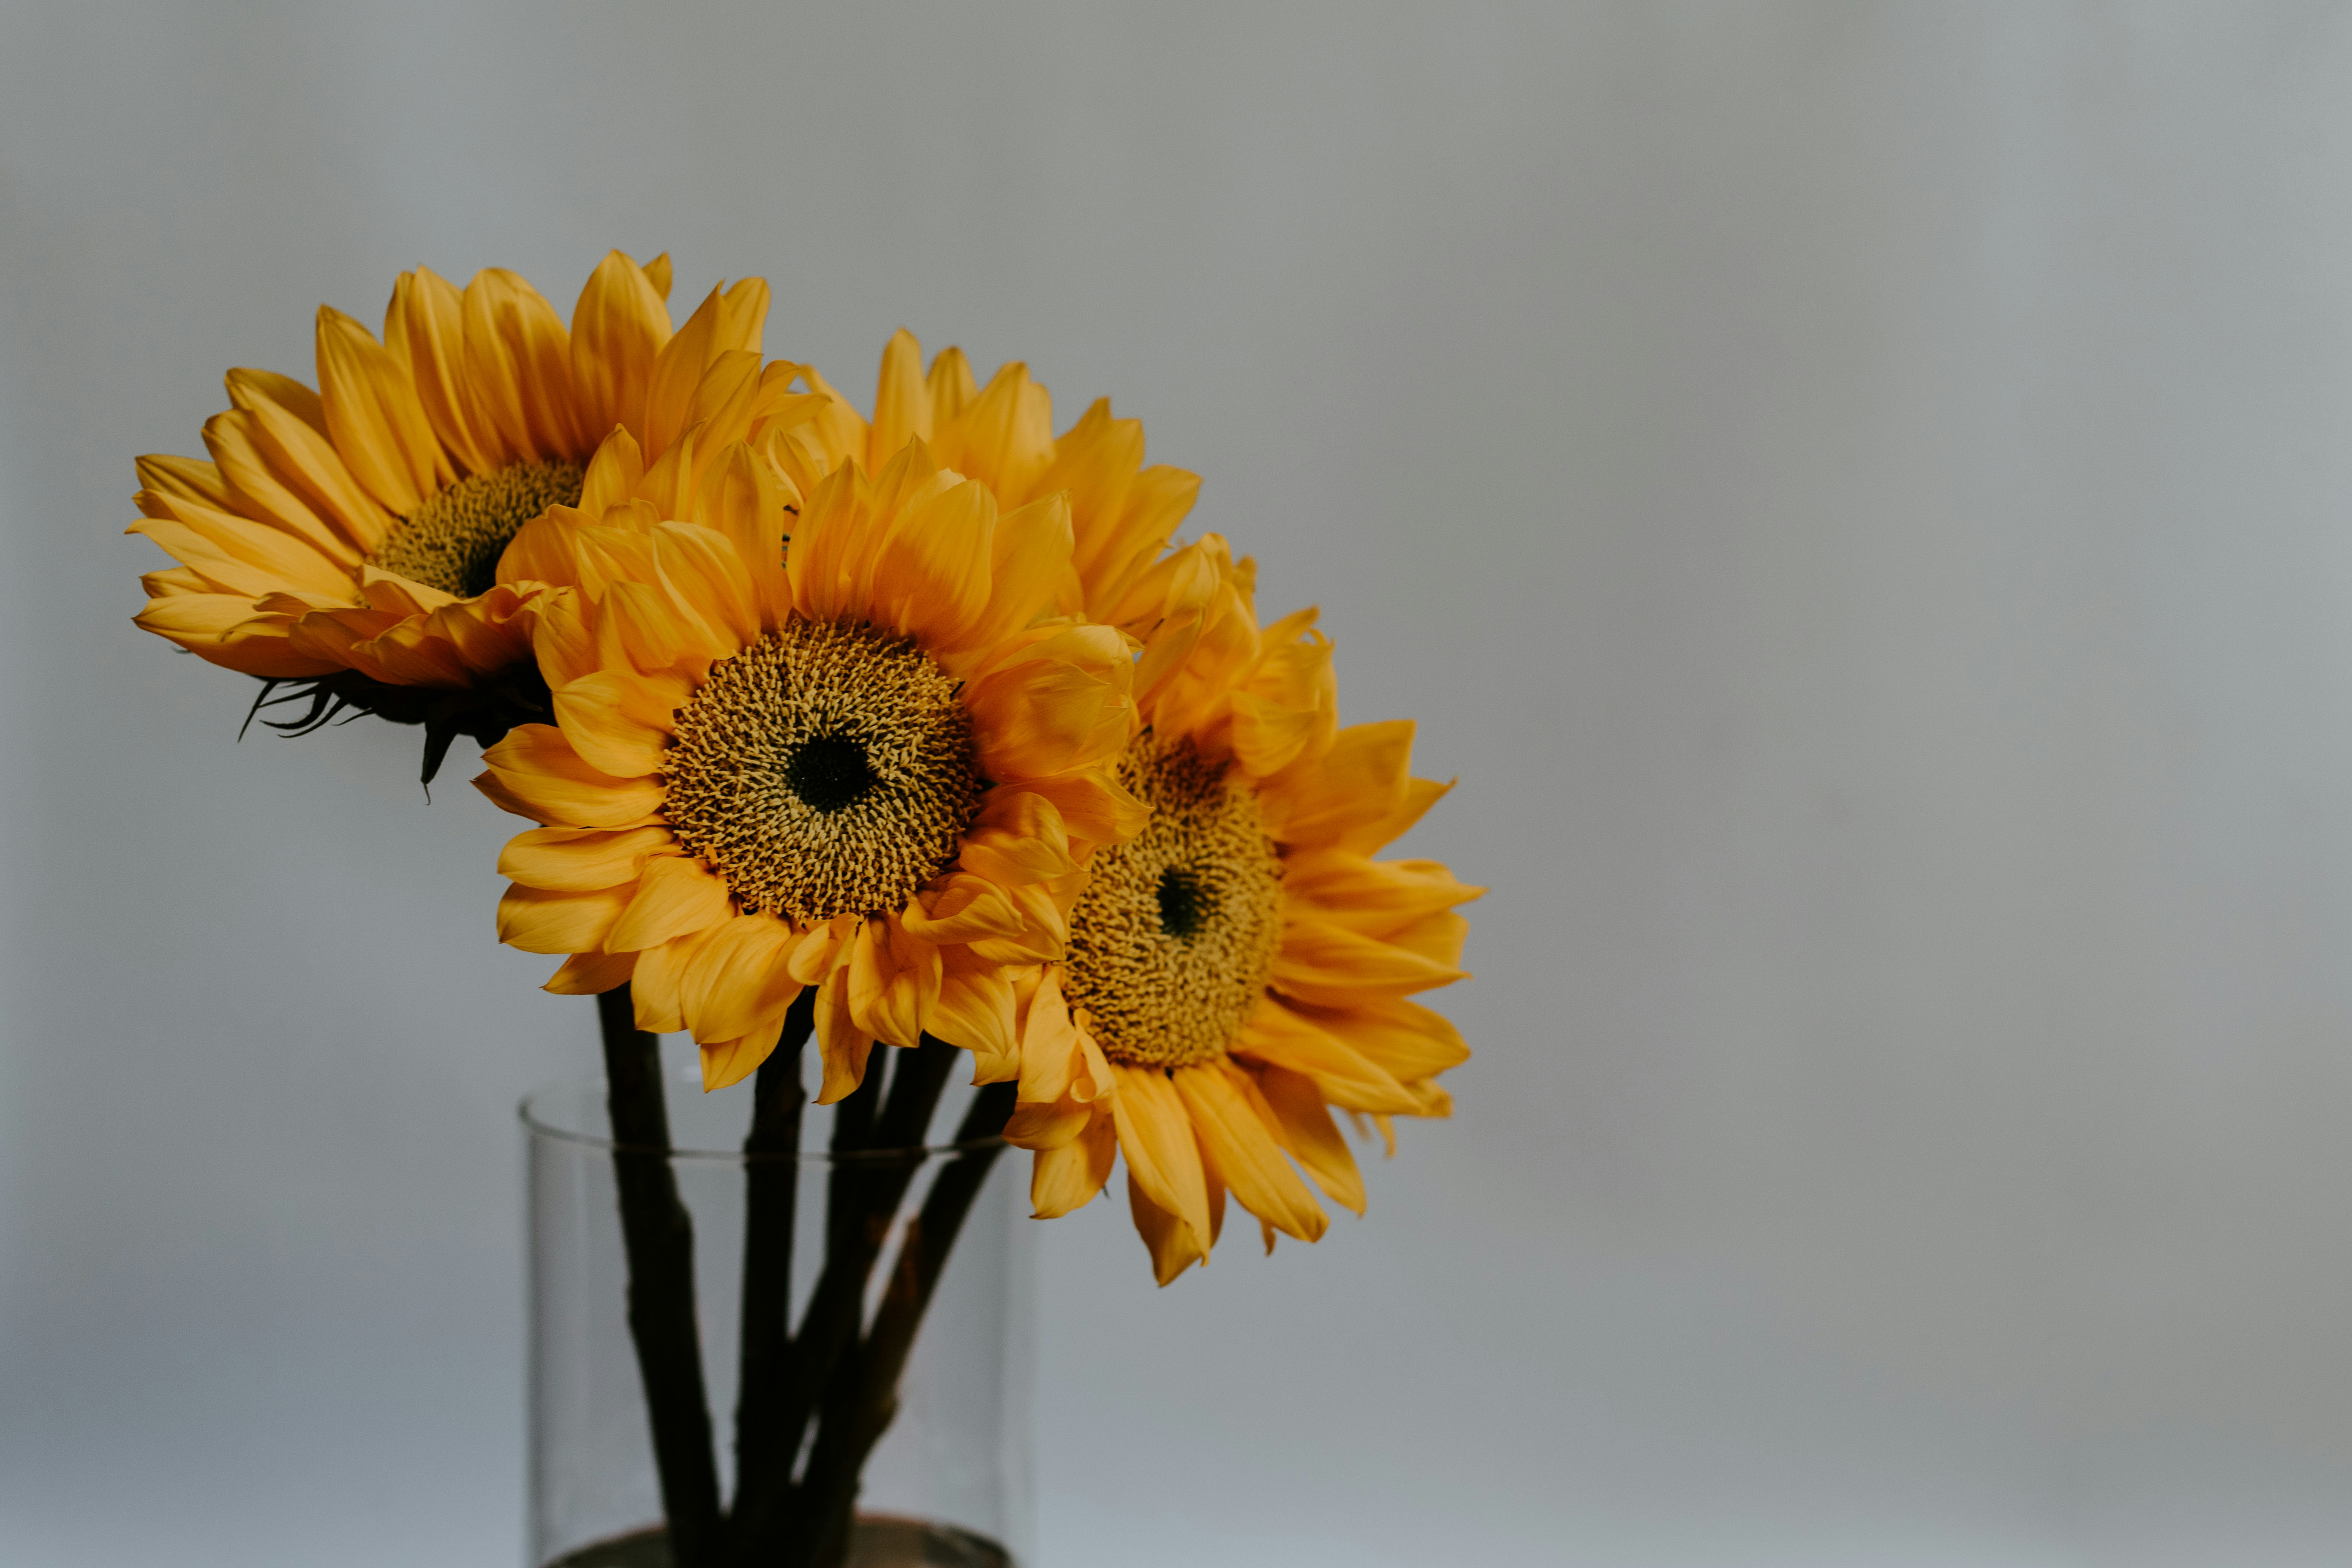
<point x="923" y="716"/>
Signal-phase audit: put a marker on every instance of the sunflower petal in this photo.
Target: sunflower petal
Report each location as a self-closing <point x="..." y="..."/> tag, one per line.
<point x="1277" y="1035"/>
<point x="842" y="1045"/>
<point x="1403" y="1039"/>
<point x="1307" y="1131"/>
<point x="902" y="405"/>
<point x="592" y="973"/>
<point x="537" y="920"/>
<point x="424" y="329"/>
<point x="373" y="417"/>
<point x="1163" y="1157"/>
<point x="1068" y="1176"/>
<point x="1331" y="966"/>
<point x="518" y="364"/>
<point x="1175" y="1243"/>
<point x="1227" y="1114"/>
<point x="730" y="1062"/>
<point x="676" y="896"/>
<point x="536" y="767"/>
<point x="738" y="982"/>
<point x="618" y="330"/>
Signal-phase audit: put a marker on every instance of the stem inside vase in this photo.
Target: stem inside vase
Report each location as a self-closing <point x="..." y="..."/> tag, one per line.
<point x="813" y="1398"/>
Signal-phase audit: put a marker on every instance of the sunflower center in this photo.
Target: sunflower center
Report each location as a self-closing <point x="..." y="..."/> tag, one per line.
<point x="826" y="770"/>
<point x="830" y="771"/>
<point x="454" y="541"/>
<point x="1173" y="939"/>
<point x="1184" y="903"/>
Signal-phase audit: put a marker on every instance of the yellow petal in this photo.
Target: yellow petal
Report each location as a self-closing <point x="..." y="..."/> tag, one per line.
<point x="592" y="973"/>
<point x="1307" y="1131"/>
<point x="306" y="462"/>
<point x="284" y="560"/>
<point x="1018" y="838"/>
<point x="519" y="367"/>
<point x="1277" y="1035"/>
<point x="950" y="384"/>
<point x="974" y="1011"/>
<point x="619" y="722"/>
<point x="580" y="860"/>
<point x="894" y="981"/>
<point x="709" y="585"/>
<point x="1371" y="898"/>
<point x="678" y="370"/>
<point x="742" y="499"/>
<point x="1094" y="806"/>
<point x="1029" y="565"/>
<point x="261" y="492"/>
<point x="375" y="419"/>
<point x="902" y="405"/>
<point x="1068" y="1176"/>
<point x="539" y="921"/>
<point x="1050" y="1056"/>
<point x="931" y="579"/>
<point x="1362" y="778"/>
<point x="1228" y="1116"/>
<point x="1005" y="436"/>
<point x="1163" y="1158"/>
<point x="1331" y="966"/>
<point x="844" y="1046"/>
<point x="738" y="982"/>
<point x="618" y="330"/>
<point x="1047" y="1126"/>
<point x="677" y="894"/>
<point x="747" y="314"/>
<point x="1063" y="704"/>
<point x="730" y="1062"/>
<point x="424" y="329"/>
<point x="1403" y="1039"/>
<point x="660" y="975"/>
<point x="536" y="768"/>
<point x="1174" y="1243"/>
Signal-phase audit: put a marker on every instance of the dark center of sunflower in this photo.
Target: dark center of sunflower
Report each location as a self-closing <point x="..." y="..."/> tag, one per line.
<point x="453" y="540"/>
<point x="826" y="770"/>
<point x="1173" y="938"/>
<point x="1184" y="903"/>
<point x="830" y="771"/>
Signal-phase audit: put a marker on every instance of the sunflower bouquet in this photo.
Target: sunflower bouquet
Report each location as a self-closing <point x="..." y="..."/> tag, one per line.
<point x="917" y="731"/>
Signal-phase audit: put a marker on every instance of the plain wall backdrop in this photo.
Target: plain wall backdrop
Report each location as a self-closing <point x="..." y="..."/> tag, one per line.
<point x="1861" y="495"/>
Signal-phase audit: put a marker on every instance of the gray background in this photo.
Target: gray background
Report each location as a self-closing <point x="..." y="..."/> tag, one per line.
<point x="1859" y="494"/>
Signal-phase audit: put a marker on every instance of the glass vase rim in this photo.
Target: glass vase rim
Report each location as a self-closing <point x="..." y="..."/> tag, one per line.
<point x="530" y="1112"/>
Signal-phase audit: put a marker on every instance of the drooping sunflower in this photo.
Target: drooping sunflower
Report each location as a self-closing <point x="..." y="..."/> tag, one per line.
<point x="351" y="537"/>
<point x="874" y="766"/>
<point x="1243" y="963"/>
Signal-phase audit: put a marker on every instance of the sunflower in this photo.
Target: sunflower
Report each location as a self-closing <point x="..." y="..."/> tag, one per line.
<point x="1243" y="964"/>
<point x="1122" y="514"/>
<point x="352" y="538"/>
<point x="873" y="768"/>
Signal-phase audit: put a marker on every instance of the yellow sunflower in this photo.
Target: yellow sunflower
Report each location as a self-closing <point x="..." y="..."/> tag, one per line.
<point x="1243" y="964"/>
<point x="1122" y="513"/>
<point x="354" y="534"/>
<point x="874" y="767"/>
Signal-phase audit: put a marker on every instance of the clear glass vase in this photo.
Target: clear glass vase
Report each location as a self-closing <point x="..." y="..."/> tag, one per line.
<point x="947" y="1483"/>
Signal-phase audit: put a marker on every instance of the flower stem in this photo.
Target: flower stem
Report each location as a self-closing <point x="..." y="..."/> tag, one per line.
<point x="658" y="1235"/>
<point x="771" y="1192"/>
<point x="861" y="1198"/>
<point x="863" y="1398"/>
